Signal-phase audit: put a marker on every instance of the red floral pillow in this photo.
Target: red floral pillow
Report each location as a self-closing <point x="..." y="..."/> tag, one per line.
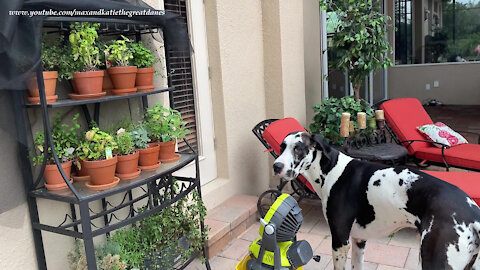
<point x="441" y="133"/>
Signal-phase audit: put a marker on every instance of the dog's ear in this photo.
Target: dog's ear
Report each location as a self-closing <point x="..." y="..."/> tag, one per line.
<point x="322" y="145"/>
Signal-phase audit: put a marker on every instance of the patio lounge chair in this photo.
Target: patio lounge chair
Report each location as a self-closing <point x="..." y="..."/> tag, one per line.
<point x="466" y="181"/>
<point x="404" y="115"/>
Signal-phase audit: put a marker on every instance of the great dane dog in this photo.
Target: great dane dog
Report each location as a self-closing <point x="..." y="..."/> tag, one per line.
<point x="366" y="200"/>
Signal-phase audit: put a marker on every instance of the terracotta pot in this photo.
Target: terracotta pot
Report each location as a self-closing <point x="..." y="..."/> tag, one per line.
<point x="83" y="171"/>
<point x="167" y="150"/>
<point x="123" y="77"/>
<point x="107" y="84"/>
<point x="88" y="82"/>
<point x="149" y="156"/>
<point x="128" y="163"/>
<point x="101" y="172"/>
<point x="50" y="82"/>
<point x="52" y="174"/>
<point x="144" y="79"/>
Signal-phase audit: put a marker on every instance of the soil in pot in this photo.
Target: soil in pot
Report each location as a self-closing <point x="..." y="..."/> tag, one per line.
<point x="50" y="82"/>
<point x="167" y="152"/>
<point x="123" y="78"/>
<point x="88" y="82"/>
<point x="127" y="166"/>
<point x="148" y="160"/>
<point x="102" y="172"/>
<point x="53" y="177"/>
<point x="144" y="79"/>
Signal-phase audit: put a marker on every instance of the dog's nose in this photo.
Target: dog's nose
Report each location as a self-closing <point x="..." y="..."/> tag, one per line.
<point x="277" y="167"/>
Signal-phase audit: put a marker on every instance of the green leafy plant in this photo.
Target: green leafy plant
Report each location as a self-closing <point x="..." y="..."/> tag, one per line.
<point x="119" y="52"/>
<point x="140" y="137"/>
<point x="83" y="38"/>
<point x="65" y="139"/>
<point x="96" y="144"/>
<point x="51" y="53"/>
<point x="66" y="63"/>
<point x="360" y="39"/>
<point x="164" y="124"/>
<point x="124" y="142"/>
<point x="142" y="57"/>
<point x="328" y="116"/>
<point x="107" y="256"/>
<point x="157" y="239"/>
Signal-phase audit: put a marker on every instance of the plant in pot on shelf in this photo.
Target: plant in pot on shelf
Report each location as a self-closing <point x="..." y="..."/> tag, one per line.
<point x="328" y="115"/>
<point x="144" y="60"/>
<point x="121" y="73"/>
<point x="65" y="140"/>
<point x="107" y="85"/>
<point x="87" y="81"/>
<point x="96" y="151"/>
<point x="148" y="160"/>
<point x="171" y="127"/>
<point x="127" y="167"/>
<point x="107" y="256"/>
<point x="166" y="239"/>
<point x="360" y="39"/>
<point x="50" y="56"/>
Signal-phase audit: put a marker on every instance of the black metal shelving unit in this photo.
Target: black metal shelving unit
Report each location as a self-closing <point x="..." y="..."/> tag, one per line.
<point x="147" y="190"/>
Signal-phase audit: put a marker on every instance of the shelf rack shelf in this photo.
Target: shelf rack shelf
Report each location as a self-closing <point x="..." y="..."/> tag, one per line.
<point x="147" y="190"/>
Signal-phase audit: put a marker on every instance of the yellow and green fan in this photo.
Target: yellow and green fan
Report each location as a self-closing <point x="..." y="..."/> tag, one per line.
<point x="277" y="248"/>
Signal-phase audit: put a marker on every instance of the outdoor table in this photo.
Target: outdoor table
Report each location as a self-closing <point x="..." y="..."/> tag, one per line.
<point x="382" y="152"/>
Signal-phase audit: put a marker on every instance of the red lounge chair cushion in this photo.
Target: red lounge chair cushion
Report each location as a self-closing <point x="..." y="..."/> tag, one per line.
<point x="276" y="132"/>
<point x="463" y="155"/>
<point x="404" y="115"/>
<point x="466" y="181"/>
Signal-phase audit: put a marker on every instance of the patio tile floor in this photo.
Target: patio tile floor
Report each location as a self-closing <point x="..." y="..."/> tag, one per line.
<point x="400" y="251"/>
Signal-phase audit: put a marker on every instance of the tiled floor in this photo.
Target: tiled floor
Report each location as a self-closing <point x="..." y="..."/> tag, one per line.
<point x="399" y="251"/>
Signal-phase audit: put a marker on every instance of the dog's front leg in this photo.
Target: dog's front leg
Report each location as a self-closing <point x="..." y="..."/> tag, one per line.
<point x="358" y="249"/>
<point x="340" y="256"/>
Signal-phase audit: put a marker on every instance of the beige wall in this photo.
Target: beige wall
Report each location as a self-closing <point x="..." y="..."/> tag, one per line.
<point x="459" y="83"/>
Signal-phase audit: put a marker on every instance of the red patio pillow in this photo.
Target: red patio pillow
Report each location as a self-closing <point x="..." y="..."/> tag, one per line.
<point x="441" y="133"/>
<point x="276" y="132"/>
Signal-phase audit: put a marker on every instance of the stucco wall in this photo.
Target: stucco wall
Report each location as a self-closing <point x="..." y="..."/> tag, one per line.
<point x="459" y="83"/>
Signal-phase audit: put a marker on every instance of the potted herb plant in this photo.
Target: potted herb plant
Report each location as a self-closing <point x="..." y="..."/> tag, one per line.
<point x="127" y="167"/>
<point x="87" y="82"/>
<point x="143" y="59"/>
<point x="121" y="74"/>
<point x="65" y="139"/>
<point x="148" y="160"/>
<point x="107" y="85"/>
<point x="171" y="127"/>
<point x="165" y="239"/>
<point x="96" y="151"/>
<point x="51" y="53"/>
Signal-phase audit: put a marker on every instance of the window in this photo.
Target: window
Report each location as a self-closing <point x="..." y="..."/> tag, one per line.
<point x="437" y="31"/>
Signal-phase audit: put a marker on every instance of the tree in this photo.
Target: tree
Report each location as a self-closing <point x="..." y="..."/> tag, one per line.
<point x="360" y="39"/>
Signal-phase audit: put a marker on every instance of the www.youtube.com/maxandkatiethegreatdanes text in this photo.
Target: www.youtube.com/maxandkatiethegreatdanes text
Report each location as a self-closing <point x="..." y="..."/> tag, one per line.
<point x="74" y="12"/>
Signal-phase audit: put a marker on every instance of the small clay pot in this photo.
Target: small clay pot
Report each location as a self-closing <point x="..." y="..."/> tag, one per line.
<point x="88" y="82"/>
<point x="149" y="156"/>
<point x="107" y="84"/>
<point x="144" y="79"/>
<point x="52" y="174"/>
<point x="128" y="163"/>
<point x="101" y="172"/>
<point x="123" y="77"/>
<point x="83" y="170"/>
<point x="50" y="83"/>
<point x="167" y="150"/>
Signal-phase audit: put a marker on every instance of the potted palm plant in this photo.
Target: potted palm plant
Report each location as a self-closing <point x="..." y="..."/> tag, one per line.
<point x="127" y="167"/>
<point x="51" y="53"/>
<point x="121" y="73"/>
<point x="96" y="151"/>
<point x="148" y="160"/>
<point x="87" y="82"/>
<point x="143" y="59"/>
<point x="65" y="139"/>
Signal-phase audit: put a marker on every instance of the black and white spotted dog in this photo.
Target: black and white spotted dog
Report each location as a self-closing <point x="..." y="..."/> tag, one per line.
<point x="368" y="200"/>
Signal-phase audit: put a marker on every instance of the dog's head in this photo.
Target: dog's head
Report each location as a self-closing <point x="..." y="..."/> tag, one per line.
<point x="298" y="152"/>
